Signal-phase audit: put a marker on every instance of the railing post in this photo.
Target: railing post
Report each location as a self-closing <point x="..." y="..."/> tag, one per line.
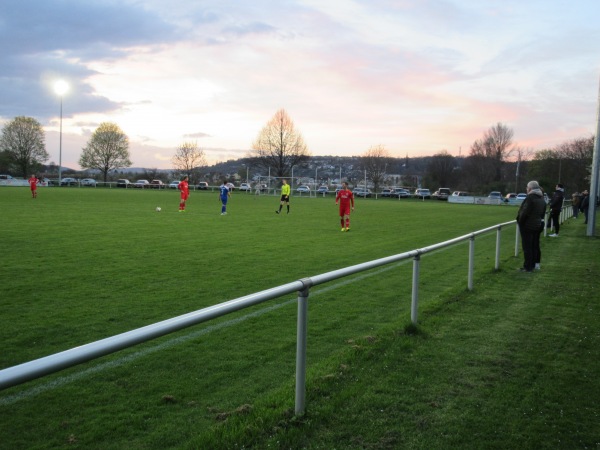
<point x="471" y="262"/>
<point x="301" y="333"/>
<point x="414" y="308"/>
<point x="498" y="235"/>
<point x="517" y="234"/>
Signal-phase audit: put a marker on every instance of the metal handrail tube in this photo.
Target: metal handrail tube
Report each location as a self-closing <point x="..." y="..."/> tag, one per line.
<point x="471" y="269"/>
<point x="301" y="345"/>
<point x="21" y="373"/>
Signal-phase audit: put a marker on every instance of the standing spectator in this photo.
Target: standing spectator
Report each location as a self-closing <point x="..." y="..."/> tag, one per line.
<point x="285" y="196"/>
<point x="585" y="204"/>
<point x="184" y="189"/>
<point x="345" y="197"/>
<point x="530" y="219"/>
<point x="555" y="206"/>
<point x="224" y="195"/>
<point x="33" y="182"/>
<point x="575" y="203"/>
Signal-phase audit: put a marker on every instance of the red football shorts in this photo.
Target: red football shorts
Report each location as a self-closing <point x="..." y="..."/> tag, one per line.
<point x="344" y="210"/>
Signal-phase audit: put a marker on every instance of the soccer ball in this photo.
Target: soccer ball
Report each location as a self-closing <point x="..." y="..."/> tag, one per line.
<point x="158" y="209"/>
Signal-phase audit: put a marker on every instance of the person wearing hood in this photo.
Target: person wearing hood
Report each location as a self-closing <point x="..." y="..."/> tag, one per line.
<point x="585" y="204"/>
<point x="531" y="223"/>
<point x="556" y="204"/>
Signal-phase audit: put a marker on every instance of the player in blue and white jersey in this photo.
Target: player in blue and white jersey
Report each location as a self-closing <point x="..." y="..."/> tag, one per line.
<point x="224" y="195"/>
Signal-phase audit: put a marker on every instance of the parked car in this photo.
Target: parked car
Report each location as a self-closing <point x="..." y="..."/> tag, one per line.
<point x="123" y="183"/>
<point x="141" y="184"/>
<point x="520" y="197"/>
<point x="511" y="196"/>
<point x="362" y="192"/>
<point x="245" y="187"/>
<point x="323" y="190"/>
<point x="442" y="194"/>
<point x="400" y="193"/>
<point x="422" y="193"/>
<point x="303" y="190"/>
<point x="88" y="182"/>
<point x="386" y="192"/>
<point x="460" y="194"/>
<point x="203" y="185"/>
<point x="495" y="195"/>
<point x="68" y="182"/>
<point x="174" y="184"/>
<point x="231" y="186"/>
<point x="157" y="184"/>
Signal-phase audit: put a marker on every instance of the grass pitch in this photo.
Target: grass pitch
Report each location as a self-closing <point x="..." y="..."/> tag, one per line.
<point x="84" y="264"/>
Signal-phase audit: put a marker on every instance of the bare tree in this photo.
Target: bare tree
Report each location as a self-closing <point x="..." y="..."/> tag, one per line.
<point x="107" y="149"/>
<point x="483" y="168"/>
<point x="493" y="149"/>
<point x="441" y="169"/>
<point x="22" y="143"/>
<point x="153" y="174"/>
<point x="520" y="165"/>
<point x="279" y="146"/>
<point x="189" y="160"/>
<point x="375" y="162"/>
<point x="568" y="163"/>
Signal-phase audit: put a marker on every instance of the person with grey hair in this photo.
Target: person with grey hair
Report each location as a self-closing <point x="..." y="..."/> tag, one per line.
<point x="531" y="223"/>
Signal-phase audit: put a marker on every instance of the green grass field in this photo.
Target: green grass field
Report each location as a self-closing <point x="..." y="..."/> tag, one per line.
<point x="83" y="264"/>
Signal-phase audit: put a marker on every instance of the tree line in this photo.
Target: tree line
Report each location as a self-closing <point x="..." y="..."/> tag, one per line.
<point x="494" y="162"/>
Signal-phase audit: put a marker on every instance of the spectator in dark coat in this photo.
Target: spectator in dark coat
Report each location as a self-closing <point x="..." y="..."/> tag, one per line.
<point x="585" y="204"/>
<point x="556" y="204"/>
<point x="531" y="223"/>
<point x="576" y="204"/>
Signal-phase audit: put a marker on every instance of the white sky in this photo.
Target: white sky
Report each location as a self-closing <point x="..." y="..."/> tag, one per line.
<point x="417" y="76"/>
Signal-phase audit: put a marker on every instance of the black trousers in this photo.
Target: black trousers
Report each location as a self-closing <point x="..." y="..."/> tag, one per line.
<point x="530" y="241"/>
<point x="554" y="220"/>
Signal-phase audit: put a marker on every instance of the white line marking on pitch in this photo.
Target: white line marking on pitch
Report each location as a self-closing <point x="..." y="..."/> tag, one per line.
<point x="60" y="381"/>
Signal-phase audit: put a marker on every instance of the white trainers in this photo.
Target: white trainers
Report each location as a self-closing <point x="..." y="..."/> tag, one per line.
<point x="537" y="266"/>
<point x="554" y="235"/>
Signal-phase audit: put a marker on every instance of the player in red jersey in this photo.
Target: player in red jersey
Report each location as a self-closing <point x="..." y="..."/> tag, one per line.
<point x="33" y="181"/>
<point x="345" y="197"/>
<point x="185" y="193"/>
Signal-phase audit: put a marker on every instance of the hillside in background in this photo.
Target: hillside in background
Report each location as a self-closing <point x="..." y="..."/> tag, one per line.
<point x="325" y="168"/>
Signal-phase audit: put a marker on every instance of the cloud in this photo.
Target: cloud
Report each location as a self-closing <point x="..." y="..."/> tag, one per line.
<point x="196" y="135"/>
<point x="42" y="41"/>
<point x="415" y="76"/>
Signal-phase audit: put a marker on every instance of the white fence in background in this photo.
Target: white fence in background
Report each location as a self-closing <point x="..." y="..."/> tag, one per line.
<point x="38" y="368"/>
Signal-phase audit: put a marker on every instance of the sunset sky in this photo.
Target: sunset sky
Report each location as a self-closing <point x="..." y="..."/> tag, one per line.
<point x="417" y="77"/>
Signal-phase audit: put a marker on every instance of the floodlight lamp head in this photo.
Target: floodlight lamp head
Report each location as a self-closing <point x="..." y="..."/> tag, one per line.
<point x="61" y="87"/>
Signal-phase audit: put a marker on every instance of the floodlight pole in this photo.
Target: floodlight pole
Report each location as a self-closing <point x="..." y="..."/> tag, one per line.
<point x="60" y="145"/>
<point x="593" y="195"/>
<point x="60" y="87"/>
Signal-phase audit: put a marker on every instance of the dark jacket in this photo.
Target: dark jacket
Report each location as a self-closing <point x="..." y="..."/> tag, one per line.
<point x="585" y="203"/>
<point x="556" y="203"/>
<point x="531" y="213"/>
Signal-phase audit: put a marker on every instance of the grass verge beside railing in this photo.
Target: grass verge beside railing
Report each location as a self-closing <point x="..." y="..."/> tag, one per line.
<point x="513" y="364"/>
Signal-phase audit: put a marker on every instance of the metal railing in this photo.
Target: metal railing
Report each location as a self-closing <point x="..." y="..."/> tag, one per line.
<point x="22" y="373"/>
